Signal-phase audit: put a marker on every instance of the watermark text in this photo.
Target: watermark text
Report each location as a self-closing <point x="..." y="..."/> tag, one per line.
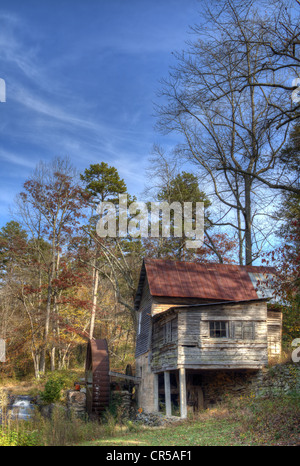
<point x="2" y="90"/>
<point x="296" y="352"/>
<point x="141" y="220"/>
<point x="2" y="350"/>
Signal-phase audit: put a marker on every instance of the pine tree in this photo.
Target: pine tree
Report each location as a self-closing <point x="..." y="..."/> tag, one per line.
<point x="13" y="239"/>
<point x="103" y="183"/>
<point x="183" y="188"/>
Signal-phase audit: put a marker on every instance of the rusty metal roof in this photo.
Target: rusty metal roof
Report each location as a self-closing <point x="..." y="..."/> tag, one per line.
<point x="220" y="282"/>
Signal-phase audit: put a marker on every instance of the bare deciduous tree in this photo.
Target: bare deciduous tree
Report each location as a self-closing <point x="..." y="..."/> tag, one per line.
<point x="230" y="121"/>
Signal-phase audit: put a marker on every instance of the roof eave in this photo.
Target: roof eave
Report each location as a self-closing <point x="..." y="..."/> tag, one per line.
<point x="187" y="306"/>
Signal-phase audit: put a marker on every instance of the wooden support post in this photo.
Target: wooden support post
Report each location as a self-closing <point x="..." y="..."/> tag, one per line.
<point x="168" y="394"/>
<point x="182" y="393"/>
<point x="155" y="394"/>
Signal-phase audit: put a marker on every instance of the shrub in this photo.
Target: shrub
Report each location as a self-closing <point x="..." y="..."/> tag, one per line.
<point x="52" y="391"/>
<point x="17" y="438"/>
<point x="56" y="382"/>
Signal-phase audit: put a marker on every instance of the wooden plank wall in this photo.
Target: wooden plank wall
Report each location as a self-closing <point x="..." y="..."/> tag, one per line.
<point x="274" y="322"/>
<point x="164" y="354"/>
<point x="196" y="347"/>
<point x="243" y="348"/>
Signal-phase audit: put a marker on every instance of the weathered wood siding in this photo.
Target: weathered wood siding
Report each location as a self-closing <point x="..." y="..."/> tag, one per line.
<point x="164" y="348"/>
<point x="274" y="322"/>
<point x="244" y="347"/>
<point x="143" y="338"/>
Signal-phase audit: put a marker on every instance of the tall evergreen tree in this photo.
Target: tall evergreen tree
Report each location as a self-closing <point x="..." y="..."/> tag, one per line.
<point x="103" y="183"/>
<point x="13" y="238"/>
<point x="182" y="188"/>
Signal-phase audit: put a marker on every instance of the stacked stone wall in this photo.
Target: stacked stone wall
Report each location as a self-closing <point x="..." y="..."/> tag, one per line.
<point x="277" y="380"/>
<point x="273" y="381"/>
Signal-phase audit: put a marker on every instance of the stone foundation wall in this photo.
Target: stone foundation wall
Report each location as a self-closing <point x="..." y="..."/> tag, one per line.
<point x="273" y="381"/>
<point x="122" y="401"/>
<point x="76" y="402"/>
<point x="277" y="380"/>
<point x="217" y="385"/>
<point x="145" y="389"/>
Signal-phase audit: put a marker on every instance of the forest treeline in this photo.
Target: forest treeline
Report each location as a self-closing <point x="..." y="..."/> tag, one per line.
<point x="232" y="102"/>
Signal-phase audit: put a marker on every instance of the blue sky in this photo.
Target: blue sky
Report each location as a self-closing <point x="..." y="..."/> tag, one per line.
<point x="81" y="78"/>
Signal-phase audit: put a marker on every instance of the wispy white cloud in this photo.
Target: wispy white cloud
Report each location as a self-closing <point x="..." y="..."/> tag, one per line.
<point x="13" y="50"/>
<point x="74" y="100"/>
<point x="15" y="159"/>
<point x="79" y="130"/>
<point x="47" y="98"/>
<point x="46" y="107"/>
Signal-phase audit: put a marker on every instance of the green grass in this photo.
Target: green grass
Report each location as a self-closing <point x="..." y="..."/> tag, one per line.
<point x="208" y="433"/>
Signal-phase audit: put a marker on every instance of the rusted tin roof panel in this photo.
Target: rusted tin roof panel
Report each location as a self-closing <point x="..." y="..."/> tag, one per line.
<point x="205" y="281"/>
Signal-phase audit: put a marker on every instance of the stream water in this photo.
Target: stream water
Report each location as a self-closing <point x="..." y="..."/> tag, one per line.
<point x="20" y="408"/>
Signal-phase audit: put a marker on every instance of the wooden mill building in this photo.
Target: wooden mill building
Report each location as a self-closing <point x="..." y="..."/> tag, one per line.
<point x="202" y="329"/>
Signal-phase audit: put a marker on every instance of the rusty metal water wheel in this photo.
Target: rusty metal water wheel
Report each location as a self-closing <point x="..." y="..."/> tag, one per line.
<point x="97" y="377"/>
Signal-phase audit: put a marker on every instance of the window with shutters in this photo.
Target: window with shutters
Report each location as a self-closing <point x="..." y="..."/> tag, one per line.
<point x="244" y="330"/>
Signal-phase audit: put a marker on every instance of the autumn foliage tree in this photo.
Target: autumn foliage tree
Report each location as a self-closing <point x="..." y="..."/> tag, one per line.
<point x="50" y="207"/>
<point x="49" y="262"/>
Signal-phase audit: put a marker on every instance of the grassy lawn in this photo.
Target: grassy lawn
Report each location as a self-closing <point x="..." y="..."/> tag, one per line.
<point x="207" y="433"/>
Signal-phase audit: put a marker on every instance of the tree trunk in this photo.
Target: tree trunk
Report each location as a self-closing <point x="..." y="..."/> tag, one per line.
<point x="36" y="365"/>
<point x="47" y="323"/>
<point x="248" y="221"/>
<point x="240" y="236"/>
<point x="94" y="305"/>
<point x="48" y="306"/>
<point x="52" y="359"/>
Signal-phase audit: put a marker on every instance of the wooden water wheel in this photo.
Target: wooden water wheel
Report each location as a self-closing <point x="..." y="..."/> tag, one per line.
<point x="97" y="377"/>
